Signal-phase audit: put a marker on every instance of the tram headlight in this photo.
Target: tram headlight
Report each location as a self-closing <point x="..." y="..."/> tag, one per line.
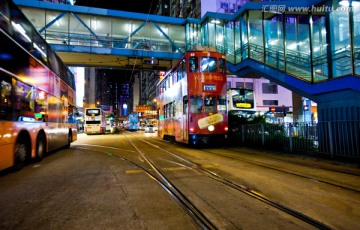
<point x="211" y="128"/>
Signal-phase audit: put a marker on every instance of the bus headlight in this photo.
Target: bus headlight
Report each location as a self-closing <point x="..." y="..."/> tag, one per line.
<point x="211" y="128"/>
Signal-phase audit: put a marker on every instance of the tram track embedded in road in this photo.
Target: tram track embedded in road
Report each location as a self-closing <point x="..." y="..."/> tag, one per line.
<point x="346" y="172"/>
<point x="175" y="193"/>
<point x="288" y="172"/>
<point x="243" y="188"/>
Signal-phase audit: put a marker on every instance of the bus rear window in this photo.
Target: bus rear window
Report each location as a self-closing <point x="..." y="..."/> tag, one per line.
<point x="93" y="112"/>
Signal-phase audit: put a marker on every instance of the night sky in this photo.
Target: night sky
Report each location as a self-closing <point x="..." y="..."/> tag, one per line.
<point x="139" y="6"/>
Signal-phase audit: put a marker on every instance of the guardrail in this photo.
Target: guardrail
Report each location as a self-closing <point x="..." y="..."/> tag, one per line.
<point x="302" y="137"/>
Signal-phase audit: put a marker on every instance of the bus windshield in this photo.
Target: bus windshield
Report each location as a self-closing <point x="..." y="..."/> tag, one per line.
<point x="243" y="98"/>
<point x="208" y="64"/>
<point x="209" y="104"/>
<point x="196" y="104"/>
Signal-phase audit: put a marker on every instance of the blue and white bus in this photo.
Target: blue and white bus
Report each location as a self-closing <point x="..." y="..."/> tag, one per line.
<point x="132" y="122"/>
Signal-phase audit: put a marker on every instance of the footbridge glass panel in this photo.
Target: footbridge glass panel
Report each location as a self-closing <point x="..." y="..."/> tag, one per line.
<point x="82" y="31"/>
<point x="319" y="49"/>
<point x="274" y="40"/>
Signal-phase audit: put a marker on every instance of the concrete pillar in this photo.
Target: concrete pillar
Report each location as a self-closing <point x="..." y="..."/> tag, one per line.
<point x="136" y="90"/>
<point x="339" y="123"/>
<point x="90" y="86"/>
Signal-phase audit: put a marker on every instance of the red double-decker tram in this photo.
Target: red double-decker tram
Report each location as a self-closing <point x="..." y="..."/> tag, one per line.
<point x="191" y="99"/>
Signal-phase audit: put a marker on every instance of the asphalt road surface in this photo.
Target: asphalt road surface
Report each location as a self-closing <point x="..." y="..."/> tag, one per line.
<point x="133" y="180"/>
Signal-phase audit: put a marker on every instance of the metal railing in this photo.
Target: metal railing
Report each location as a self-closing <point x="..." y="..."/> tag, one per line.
<point x="88" y="40"/>
<point x="302" y="137"/>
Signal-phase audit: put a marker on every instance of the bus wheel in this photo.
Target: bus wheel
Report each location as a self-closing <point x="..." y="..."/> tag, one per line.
<point x="20" y="155"/>
<point x="40" y="147"/>
<point x="69" y="140"/>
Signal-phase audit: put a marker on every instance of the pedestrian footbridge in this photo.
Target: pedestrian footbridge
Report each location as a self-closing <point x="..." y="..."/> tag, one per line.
<point x="315" y="54"/>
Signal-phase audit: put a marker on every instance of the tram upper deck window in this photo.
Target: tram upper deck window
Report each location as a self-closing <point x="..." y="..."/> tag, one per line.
<point x="208" y="64"/>
<point x="193" y="64"/>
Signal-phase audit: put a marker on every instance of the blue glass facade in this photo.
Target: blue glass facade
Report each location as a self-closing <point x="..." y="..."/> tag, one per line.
<point x="314" y="43"/>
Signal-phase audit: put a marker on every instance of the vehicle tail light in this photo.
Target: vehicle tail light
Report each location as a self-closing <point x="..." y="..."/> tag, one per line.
<point x="226" y="128"/>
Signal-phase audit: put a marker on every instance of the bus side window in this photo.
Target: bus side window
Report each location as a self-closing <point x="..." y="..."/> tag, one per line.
<point x="222" y="65"/>
<point x="193" y="63"/>
<point x="185" y="105"/>
<point x="24" y="101"/>
<point x="184" y="69"/>
<point x="40" y="104"/>
<point x="5" y="100"/>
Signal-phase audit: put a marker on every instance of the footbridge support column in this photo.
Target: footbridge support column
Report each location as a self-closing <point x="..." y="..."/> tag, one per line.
<point x="339" y="124"/>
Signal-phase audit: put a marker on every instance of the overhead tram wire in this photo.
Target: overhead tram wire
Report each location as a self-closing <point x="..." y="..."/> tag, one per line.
<point x="147" y="19"/>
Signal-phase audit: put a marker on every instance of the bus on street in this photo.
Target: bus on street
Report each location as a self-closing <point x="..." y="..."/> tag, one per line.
<point x="95" y="121"/>
<point x="241" y="101"/>
<point x="191" y="99"/>
<point x="132" y="122"/>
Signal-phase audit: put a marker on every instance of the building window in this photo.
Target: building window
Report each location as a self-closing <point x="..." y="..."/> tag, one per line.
<point x="245" y="85"/>
<point x="240" y="85"/>
<point x="269" y="88"/>
<point x="270" y="102"/>
<point x="224" y="5"/>
<point x="249" y="85"/>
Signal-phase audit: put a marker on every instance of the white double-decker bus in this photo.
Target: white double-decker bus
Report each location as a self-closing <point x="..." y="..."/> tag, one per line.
<point x="37" y="92"/>
<point x="95" y="121"/>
